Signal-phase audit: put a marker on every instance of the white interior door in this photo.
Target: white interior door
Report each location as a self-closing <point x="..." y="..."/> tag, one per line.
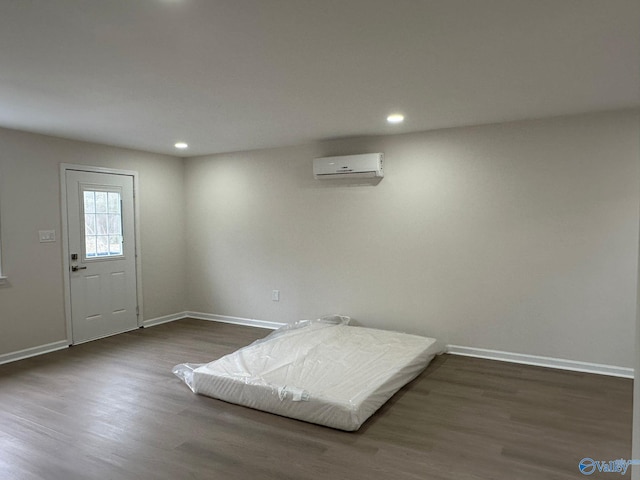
<point x="102" y="263"/>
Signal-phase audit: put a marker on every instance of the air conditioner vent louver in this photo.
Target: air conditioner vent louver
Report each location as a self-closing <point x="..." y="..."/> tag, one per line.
<point x="368" y="165"/>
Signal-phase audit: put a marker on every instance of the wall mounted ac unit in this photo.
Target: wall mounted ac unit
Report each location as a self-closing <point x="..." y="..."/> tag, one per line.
<point x="368" y="165"/>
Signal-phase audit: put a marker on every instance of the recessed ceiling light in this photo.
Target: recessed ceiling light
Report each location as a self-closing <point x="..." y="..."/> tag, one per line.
<point x="181" y="145"/>
<point x="395" y="118"/>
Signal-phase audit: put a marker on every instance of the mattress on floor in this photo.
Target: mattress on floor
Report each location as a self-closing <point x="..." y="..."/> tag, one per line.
<point x="323" y="372"/>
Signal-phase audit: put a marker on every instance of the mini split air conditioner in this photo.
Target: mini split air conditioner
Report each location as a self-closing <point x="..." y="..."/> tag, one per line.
<point x="368" y="165"/>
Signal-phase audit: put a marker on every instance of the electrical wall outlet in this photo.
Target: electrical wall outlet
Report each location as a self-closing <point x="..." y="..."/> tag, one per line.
<point x="275" y="295"/>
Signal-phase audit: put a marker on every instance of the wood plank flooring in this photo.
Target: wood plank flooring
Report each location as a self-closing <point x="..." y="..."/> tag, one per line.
<point x="111" y="409"/>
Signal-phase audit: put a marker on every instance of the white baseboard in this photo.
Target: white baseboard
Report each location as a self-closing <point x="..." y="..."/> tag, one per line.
<point x="536" y="360"/>
<point x="511" y="357"/>
<point x="212" y="317"/>
<point x="249" y="322"/>
<point x="539" y="361"/>
<point x="166" y="319"/>
<point x="33" y="351"/>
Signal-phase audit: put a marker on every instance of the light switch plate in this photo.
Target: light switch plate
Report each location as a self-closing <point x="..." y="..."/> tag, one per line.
<point x="47" y="236"/>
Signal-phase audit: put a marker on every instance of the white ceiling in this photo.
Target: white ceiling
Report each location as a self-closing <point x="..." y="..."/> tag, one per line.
<point x="227" y="75"/>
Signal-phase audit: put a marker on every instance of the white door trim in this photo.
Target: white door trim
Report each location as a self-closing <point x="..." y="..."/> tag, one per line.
<point x="64" y="167"/>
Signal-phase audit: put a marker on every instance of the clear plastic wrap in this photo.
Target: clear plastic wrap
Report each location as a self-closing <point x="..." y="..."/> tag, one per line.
<point x="184" y="372"/>
<point x="321" y="371"/>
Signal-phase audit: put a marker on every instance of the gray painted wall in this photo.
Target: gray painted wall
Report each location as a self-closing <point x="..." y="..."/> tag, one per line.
<point x="32" y="303"/>
<point x="520" y="237"/>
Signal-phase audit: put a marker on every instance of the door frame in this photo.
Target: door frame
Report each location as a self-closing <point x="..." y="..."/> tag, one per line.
<point x="64" y="168"/>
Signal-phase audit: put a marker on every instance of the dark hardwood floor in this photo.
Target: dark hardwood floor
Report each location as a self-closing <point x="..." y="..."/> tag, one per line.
<point x="111" y="409"/>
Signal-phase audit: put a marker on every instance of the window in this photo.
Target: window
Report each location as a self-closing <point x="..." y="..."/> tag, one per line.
<point x="102" y="223"/>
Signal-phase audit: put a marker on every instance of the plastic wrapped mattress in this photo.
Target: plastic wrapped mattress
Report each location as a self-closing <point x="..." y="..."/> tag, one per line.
<point x="321" y="371"/>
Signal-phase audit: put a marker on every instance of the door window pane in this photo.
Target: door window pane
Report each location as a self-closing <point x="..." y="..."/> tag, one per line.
<point x="101" y="202"/>
<point x="89" y="202"/>
<point x="115" y="245"/>
<point x="102" y="224"/>
<point x="113" y="202"/>
<point x="90" y="224"/>
<point x="115" y="224"/>
<point x="91" y="246"/>
<point x="102" y="227"/>
<point x="103" y="249"/>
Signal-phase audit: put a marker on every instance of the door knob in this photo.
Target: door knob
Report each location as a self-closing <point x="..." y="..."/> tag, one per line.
<point x="75" y="268"/>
